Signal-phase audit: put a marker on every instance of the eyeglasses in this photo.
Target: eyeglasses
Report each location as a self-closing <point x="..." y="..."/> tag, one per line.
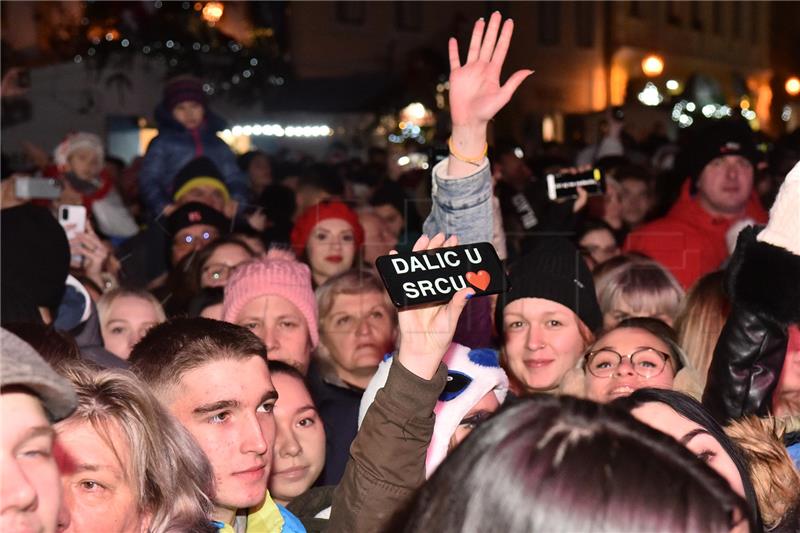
<point x="193" y="239"/>
<point x="646" y="362"/>
<point x="216" y="274"/>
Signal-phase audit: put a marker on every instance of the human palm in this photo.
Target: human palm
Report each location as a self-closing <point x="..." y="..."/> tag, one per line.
<point x="475" y="91"/>
<point x="427" y="331"/>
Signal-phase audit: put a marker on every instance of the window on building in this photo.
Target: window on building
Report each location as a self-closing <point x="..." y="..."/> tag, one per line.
<point x="635" y="9"/>
<point x="673" y="16"/>
<point x="408" y="16"/>
<point x="736" y="19"/>
<point x="351" y="13"/>
<point x="584" y="24"/>
<point x="716" y="17"/>
<point x="549" y="15"/>
<point x="697" y="16"/>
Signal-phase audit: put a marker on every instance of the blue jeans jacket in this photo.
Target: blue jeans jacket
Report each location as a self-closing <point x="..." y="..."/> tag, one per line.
<point x="461" y="206"/>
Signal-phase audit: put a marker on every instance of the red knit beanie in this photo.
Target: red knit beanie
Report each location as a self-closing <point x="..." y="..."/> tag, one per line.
<point x="316" y="214"/>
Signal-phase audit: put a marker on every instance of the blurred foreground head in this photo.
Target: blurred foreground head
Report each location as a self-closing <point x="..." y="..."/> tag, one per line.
<point x="551" y="463"/>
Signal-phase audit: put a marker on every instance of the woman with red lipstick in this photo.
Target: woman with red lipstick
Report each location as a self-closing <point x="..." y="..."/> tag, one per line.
<point x="328" y="237"/>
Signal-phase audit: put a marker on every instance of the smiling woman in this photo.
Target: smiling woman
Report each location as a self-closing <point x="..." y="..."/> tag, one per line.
<point x="126" y="465"/>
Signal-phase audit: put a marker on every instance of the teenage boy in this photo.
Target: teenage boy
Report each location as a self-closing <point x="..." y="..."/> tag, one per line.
<point x="213" y="377"/>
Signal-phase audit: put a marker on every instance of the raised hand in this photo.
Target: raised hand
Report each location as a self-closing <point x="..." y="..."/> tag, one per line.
<point x="427" y="331"/>
<point x="475" y="92"/>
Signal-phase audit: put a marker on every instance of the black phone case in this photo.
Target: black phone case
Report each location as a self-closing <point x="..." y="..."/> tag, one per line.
<point x="417" y="278"/>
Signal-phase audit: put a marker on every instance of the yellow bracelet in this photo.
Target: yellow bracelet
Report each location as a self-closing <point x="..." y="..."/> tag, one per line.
<point x="471" y="160"/>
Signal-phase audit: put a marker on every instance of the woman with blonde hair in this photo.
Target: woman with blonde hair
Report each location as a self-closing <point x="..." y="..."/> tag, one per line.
<point x="638" y="288"/>
<point x="700" y="320"/>
<point x="126" y="464"/>
<point x="357" y="327"/>
<point x="125" y="316"/>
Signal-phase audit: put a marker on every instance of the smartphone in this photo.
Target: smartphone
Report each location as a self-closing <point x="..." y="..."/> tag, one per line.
<point x="29" y="188"/>
<point x="565" y="185"/>
<point x="415" y="278"/>
<point x="73" y="219"/>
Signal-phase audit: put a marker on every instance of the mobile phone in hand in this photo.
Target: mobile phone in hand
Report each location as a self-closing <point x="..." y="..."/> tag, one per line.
<point x="434" y="276"/>
<point x="565" y="185"/>
<point x="73" y="219"/>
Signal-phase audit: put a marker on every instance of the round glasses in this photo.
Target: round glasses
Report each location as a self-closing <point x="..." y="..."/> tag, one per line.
<point x="646" y="362"/>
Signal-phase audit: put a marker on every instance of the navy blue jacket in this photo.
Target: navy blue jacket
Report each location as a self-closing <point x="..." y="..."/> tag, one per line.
<point x="174" y="147"/>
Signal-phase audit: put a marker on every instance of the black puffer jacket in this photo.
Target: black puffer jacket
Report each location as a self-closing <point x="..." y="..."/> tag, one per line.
<point x="763" y="282"/>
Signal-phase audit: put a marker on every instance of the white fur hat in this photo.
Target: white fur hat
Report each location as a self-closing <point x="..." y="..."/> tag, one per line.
<point x="471" y="374"/>
<point x="75" y="141"/>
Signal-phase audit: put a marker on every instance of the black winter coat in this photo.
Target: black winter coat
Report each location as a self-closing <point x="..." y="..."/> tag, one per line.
<point x="763" y="283"/>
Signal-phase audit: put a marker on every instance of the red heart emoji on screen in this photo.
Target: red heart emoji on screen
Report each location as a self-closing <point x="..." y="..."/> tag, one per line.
<point x="479" y="279"/>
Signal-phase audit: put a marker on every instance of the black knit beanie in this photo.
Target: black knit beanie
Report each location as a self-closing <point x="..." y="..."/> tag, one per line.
<point x="195" y="213"/>
<point x="35" y="259"/>
<point x="199" y="171"/>
<point x="717" y="138"/>
<point x="554" y="270"/>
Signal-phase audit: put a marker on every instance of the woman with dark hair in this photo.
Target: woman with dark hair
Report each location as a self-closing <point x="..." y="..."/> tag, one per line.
<point x="557" y="463"/>
<point x="686" y="420"/>
<point x="597" y="243"/>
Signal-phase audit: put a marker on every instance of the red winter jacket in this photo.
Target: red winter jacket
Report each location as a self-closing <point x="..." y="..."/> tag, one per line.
<point x="689" y="241"/>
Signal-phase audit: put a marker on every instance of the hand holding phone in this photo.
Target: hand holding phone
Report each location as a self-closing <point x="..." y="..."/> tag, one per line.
<point x="564" y="184"/>
<point x="30" y="188"/>
<point x="426" y="331"/>
<point x="73" y="219"/>
<point x="435" y="275"/>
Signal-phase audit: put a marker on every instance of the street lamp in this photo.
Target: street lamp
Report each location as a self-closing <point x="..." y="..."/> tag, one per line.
<point x="212" y="12"/>
<point x="652" y="65"/>
<point x="793" y="86"/>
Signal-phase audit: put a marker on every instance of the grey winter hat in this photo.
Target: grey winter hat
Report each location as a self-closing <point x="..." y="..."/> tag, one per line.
<point x="20" y="365"/>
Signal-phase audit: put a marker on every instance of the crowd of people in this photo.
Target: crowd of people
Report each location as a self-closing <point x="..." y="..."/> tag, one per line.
<point x="215" y="351"/>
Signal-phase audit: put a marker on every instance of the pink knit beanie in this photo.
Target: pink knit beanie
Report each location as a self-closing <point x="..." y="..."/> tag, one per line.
<point x="278" y="273"/>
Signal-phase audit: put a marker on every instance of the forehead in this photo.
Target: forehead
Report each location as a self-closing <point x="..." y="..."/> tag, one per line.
<point x="269" y="305"/>
<point x="354" y="302"/>
<point x="631" y="338"/>
<point x="242" y="380"/>
<point x="536" y="307"/>
<point x="599" y="236"/>
<point x="633" y="184"/>
<point x="21" y="411"/>
<point x="83" y="444"/>
<point x="187" y="104"/>
<point x="291" y="391"/>
<point x="334" y="225"/>
<point x="227" y="251"/>
<point x="131" y="306"/>
<point x="202" y="190"/>
<point x="84" y="152"/>
<point x="665" y="419"/>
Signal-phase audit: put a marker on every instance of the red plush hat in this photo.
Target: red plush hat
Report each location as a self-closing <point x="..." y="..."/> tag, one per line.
<point x="316" y="214"/>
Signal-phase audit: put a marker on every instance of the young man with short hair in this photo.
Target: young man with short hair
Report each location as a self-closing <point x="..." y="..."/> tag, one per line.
<point x="213" y="377"/>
